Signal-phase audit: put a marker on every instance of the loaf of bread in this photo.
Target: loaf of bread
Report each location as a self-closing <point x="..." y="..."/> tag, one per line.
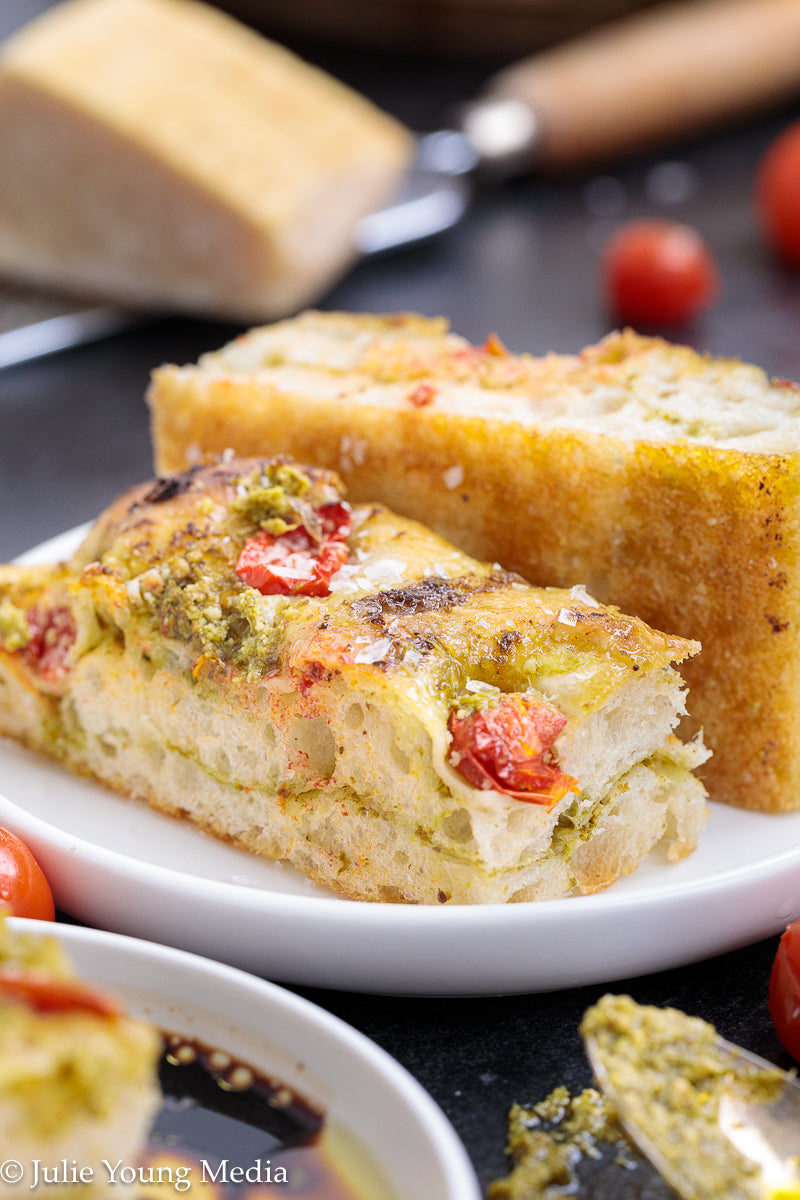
<point x="664" y="481"/>
<point x="158" y="154"/>
<point x="346" y="691"/>
<point x="78" y="1078"/>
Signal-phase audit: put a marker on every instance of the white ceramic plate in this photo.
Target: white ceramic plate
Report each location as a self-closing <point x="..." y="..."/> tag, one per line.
<point x="360" y="1087"/>
<point x="115" y="863"/>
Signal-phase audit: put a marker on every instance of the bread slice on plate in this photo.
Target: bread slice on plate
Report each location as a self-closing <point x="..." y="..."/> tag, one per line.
<point x="78" y="1078"/>
<point x="665" y="481"/>
<point x="342" y="689"/>
<point x="159" y="154"/>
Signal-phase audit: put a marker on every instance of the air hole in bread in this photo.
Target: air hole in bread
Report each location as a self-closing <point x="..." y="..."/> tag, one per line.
<point x="516" y="820"/>
<point x="458" y="826"/>
<point x="108" y="748"/>
<point x="354" y="717"/>
<point x="147" y="667"/>
<point x="400" y="758"/>
<point x="314" y="740"/>
<point x="391" y="895"/>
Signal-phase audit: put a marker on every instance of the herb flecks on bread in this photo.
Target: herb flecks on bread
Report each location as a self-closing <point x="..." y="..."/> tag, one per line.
<point x="406" y="724"/>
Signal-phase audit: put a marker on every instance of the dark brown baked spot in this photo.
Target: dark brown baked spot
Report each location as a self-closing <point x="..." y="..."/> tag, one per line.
<point x="168" y="486"/>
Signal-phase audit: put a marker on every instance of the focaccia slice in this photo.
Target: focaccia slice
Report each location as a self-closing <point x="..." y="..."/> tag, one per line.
<point x="344" y="690"/>
<point x="666" y="481"/>
<point x="78" y="1077"/>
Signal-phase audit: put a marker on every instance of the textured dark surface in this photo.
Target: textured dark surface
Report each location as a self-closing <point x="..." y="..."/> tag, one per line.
<point x="478" y="1056"/>
<point x="524" y="263"/>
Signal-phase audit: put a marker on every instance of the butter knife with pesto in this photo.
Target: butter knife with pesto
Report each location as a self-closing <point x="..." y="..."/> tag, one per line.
<point x="717" y="1122"/>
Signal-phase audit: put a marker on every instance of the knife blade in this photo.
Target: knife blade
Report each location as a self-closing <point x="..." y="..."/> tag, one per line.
<point x="627" y="86"/>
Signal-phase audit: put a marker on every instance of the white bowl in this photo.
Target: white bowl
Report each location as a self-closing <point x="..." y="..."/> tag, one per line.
<point x="361" y="1087"/>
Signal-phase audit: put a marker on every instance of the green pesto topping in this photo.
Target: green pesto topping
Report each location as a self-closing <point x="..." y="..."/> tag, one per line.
<point x="234" y="624"/>
<point x="575" y="825"/>
<point x="253" y="631"/>
<point x="470" y="702"/>
<point x="271" y="498"/>
<point x="14" y="631"/>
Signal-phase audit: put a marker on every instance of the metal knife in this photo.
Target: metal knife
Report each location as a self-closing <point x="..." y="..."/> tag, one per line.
<point x="667" y="72"/>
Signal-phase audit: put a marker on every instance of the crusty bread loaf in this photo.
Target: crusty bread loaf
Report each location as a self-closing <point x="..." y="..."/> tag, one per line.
<point x="157" y="153"/>
<point x="665" y="481"/>
<point x="363" y="735"/>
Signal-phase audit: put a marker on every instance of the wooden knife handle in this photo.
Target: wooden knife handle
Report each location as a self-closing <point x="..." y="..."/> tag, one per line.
<point x="665" y="73"/>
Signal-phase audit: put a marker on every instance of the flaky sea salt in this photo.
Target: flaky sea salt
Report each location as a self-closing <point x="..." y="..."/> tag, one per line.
<point x="375" y="652"/>
<point x="567" y="617"/>
<point x="481" y="689"/>
<point x="453" y="477"/>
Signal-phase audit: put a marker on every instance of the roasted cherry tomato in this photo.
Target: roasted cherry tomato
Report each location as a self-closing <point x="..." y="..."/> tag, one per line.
<point x="23" y="886"/>
<point x="52" y="634"/>
<point x="508" y="748"/>
<point x="784" y="990"/>
<point x="778" y="194"/>
<point x="658" y="273"/>
<point x="48" y="994"/>
<point x="297" y="563"/>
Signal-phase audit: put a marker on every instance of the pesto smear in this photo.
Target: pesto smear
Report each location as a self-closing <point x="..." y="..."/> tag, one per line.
<point x="667" y="1073"/>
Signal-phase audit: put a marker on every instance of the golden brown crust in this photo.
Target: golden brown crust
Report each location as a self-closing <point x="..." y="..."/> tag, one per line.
<point x="697" y="540"/>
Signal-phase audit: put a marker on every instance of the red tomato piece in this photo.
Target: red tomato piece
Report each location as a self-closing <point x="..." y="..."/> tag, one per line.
<point x="52" y="635"/>
<point x="336" y="521"/>
<point x="778" y="194"/>
<point x="784" y="990"/>
<point x="294" y="563"/>
<point x="23" y="886"/>
<point x="508" y="748"/>
<point x="658" y="273"/>
<point x="47" y="994"/>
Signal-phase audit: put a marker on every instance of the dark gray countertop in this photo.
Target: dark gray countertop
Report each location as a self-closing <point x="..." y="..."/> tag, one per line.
<point x="524" y="264"/>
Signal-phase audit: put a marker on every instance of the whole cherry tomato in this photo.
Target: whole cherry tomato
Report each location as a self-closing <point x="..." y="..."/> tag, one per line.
<point x="784" y="990"/>
<point x="23" y="886"/>
<point x="778" y="194"/>
<point x="658" y="273"/>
